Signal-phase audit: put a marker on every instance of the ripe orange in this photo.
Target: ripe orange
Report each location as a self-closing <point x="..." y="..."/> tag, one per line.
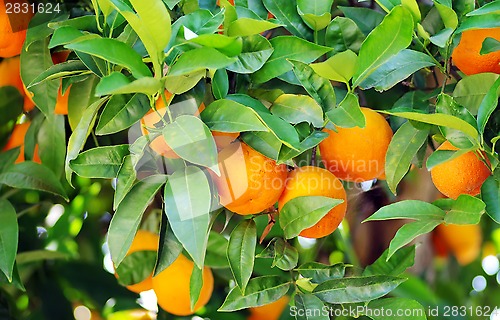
<point x="17" y="140"/>
<point x="462" y="175"/>
<point x="315" y="181"/>
<point x="358" y="154"/>
<point x="271" y="311"/>
<point x="464" y="241"/>
<point x="467" y="57"/>
<point x="172" y="287"/>
<point x="249" y="181"/>
<point x="12" y="29"/>
<point x="62" y="102"/>
<point x="143" y="241"/>
<point x="10" y="75"/>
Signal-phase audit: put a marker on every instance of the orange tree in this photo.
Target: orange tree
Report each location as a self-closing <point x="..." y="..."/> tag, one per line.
<point x="248" y="98"/>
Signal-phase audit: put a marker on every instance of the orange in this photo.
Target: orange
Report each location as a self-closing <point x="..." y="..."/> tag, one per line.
<point x="172" y="287"/>
<point x="13" y="28"/>
<point x="62" y="102"/>
<point x="17" y="140"/>
<point x="249" y="182"/>
<point x="462" y="175"/>
<point x="143" y="241"/>
<point x="271" y="311"/>
<point x="10" y="75"/>
<point x="358" y="154"/>
<point x="467" y="57"/>
<point x="315" y="181"/>
<point x="464" y="241"/>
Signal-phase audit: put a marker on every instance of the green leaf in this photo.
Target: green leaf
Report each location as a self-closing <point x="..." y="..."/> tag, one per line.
<point x="319" y="272"/>
<point x="121" y="112"/>
<point x="187" y="205"/>
<point x="124" y="180"/>
<point x="8" y="157"/>
<point x="101" y="162"/>
<point x="318" y="87"/>
<point x="307" y="307"/>
<point x="356" y="289"/>
<point x="303" y="212"/>
<point x="393" y="306"/>
<point x="128" y="215"/>
<point x="449" y="17"/>
<point x="396" y="265"/>
<point x="115" y="52"/>
<point x="8" y="238"/>
<point x="191" y="139"/>
<point x="229" y="116"/>
<point x="298" y="108"/>
<point x="260" y="291"/>
<point x="255" y="52"/>
<point x="27" y="257"/>
<point x="441" y="156"/>
<point x="265" y="142"/>
<point x="32" y="176"/>
<point x="289" y="17"/>
<point x="409" y="232"/>
<point x="227" y="45"/>
<point x="471" y="90"/>
<point x="366" y="19"/>
<point x="196" y="60"/>
<point x="195" y="285"/>
<point x="60" y="70"/>
<point x="490" y="45"/>
<point x="386" y="40"/>
<point x="136" y="267"/>
<point x="488" y="105"/>
<point x="490" y="193"/>
<point x="80" y="97"/>
<point x="408" y="209"/>
<point x="343" y="34"/>
<point x="247" y="27"/>
<point x="348" y="114"/>
<point x="465" y="210"/>
<point x="118" y="83"/>
<point x="220" y="84"/>
<point x="216" y="251"/>
<point x="339" y="67"/>
<point x="311" y="141"/>
<point x="51" y="139"/>
<point x="287" y="48"/>
<point x="184" y="83"/>
<point x="11" y="104"/>
<point x="170" y="248"/>
<point x="79" y="136"/>
<point x="403" y="147"/>
<point x="396" y="69"/>
<point x="286" y="256"/>
<point x="315" y="13"/>
<point x="241" y="252"/>
<point x="491" y="20"/>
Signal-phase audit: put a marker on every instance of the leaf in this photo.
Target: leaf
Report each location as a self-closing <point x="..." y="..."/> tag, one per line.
<point x="81" y="132"/>
<point x="490" y="194"/>
<point x="195" y="286"/>
<point x="348" y="114"/>
<point x="101" y="162"/>
<point x="396" y="265"/>
<point x="471" y="90"/>
<point x="60" y="70"/>
<point x="386" y="40"/>
<point x="264" y="142"/>
<point x="27" y="257"/>
<point x="492" y="7"/>
<point x="124" y="180"/>
<point x="409" y="232"/>
<point x="11" y="104"/>
<point x="229" y="116"/>
<point x="247" y="27"/>
<point x="396" y="69"/>
<point x="319" y="88"/>
<point x="402" y="149"/>
<point x="51" y="139"/>
<point x="191" y="139"/>
<point x="32" y="176"/>
<point x="216" y="251"/>
<point x="241" y="252"/>
<point x="255" y="52"/>
<point x="308" y="143"/>
<point x="260" y="291"/>
<point x="298" y="108"/>
<point x="343" y="34"/>
<point x="316" y="13"/>
<point x="287" y="48"/>
<point x="490" y="45"/>
<point x="187" y="205"/>
<point x="115" y="52"/>
<point x="408" y="209"/>
<point x="286" y="256"/>
<point x="491" y="20"/>
<point x="128" y="215"/>
<point x="8" y="157"/>
<point x="366" y="19"/>
<point x="488" y="105"/>
<point x="136" y="267"/>
<point x="118" y="83"/>
<point x="319" y="272"/>
<point x="465" y="210"/>
<point x="170" y="248"/>
<point x="80" y="97"/>
<point x="394" y="306"/>
<point x="303" y="212"/>
<point x="196" y="59"/>
<point x="220" y="84"/>
<point x="289" y="17"/>
<point x="356" y="289"/>
<point x="9" y="233"/>
<point x="121" y="112"/>
<point x="307" y="306"/>
<point x="339" y="67"/>
<point x="184" y="83"/>
<point x="449" y="17"/>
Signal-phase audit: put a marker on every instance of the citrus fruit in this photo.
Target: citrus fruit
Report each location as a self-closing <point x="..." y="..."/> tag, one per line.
<point x="172" y="287"/>
<point x="249" y="182"/>
<point x="464" y="241"/>
<point x="62" y="101"/>
<point x="358" y="154"/>
<point x="12" y="29"/>
<point x="17" y="140"/>
<point x="462" y="175"/>
<point x="143" y="241"/>
<point x="467" y="57"/>
<point x="315" y="181"/>
<point x="271" y="311"/>
<point x="10" y="75"/>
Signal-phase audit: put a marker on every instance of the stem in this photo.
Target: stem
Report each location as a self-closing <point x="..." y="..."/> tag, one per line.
<point x="167" y="105"/>
<point x="94" y="137"/>
<point x="9" y="193"/>
<point x="438" y="64"/>
<point x="316" y="36"/>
